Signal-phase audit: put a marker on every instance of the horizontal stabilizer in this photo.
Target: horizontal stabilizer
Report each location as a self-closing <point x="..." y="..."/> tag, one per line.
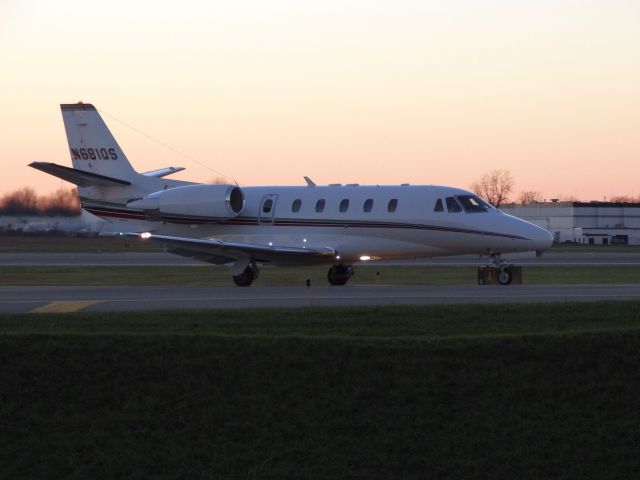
<point x="78" y="177"/>
<point x="163" y="172"/>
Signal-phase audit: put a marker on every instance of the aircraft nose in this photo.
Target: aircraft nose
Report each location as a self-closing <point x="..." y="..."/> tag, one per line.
<point x="542" y="238"/>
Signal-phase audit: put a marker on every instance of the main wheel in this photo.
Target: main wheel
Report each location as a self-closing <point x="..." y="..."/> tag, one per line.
<point x="247" y="277"/>
<point x="505" y="275"/>
<point x="339" y="274"/>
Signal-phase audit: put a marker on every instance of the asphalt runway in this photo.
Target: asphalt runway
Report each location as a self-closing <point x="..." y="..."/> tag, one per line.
<point x="167" y="259"/>
<point x="127" y="298"/>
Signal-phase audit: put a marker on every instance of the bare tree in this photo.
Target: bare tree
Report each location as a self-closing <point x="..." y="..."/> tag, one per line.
<point x="529" y="196"/>
<point x="569" y="198"/>
<point x="495" y="186"/>
<point x="218" y="181"/>
<point x="27" y="202"/>
<point x="61" y="202"/>
<point x="624" y="198"/>
<point x="20" y="202"/>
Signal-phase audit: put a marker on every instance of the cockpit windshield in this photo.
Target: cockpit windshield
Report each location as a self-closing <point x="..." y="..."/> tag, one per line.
<point x="452" y="205"/>
<point x="473" y="204"/>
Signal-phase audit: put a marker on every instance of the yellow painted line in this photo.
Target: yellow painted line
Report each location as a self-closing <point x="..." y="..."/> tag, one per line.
<point x="65" y="307"/>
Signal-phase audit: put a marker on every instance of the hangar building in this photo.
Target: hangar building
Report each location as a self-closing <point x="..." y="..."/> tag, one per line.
<point x="595" y="223"/>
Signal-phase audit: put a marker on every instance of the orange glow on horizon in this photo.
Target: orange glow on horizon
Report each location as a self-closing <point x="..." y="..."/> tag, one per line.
<point x="368" y="92"/>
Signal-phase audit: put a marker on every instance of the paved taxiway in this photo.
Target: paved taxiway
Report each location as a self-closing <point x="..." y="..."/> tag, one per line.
<point x="167" y="259"/>
<point x="124" y="298"/>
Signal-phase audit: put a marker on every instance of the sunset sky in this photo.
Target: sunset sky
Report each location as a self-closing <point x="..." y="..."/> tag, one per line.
<point x="382" y="92"/>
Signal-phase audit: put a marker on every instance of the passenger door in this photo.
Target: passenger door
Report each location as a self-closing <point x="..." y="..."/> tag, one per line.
<point x="267" y="209"/>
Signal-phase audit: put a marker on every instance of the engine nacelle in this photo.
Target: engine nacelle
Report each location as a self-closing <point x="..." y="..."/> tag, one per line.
<point x="209" y="201"/>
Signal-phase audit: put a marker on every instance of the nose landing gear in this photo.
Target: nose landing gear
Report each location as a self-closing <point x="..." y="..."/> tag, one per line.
<point x="505" y="275"/>
<point x="505" y="272"/>
<point x="339" y="274"/>
<point x="499" y="273"/>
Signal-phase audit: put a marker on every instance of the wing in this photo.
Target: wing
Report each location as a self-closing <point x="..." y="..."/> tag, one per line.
<point x="220" y="252"/>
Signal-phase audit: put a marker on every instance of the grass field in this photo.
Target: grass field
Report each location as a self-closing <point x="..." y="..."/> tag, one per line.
<point x="207" y="275"/>
<point x="513" y="391"/>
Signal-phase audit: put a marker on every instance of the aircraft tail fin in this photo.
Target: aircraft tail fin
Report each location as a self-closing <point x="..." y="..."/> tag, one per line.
<point x="92" y="146"/>
<point x="100" y="168"/>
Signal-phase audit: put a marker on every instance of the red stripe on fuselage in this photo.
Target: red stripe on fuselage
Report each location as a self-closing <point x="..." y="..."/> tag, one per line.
<point x="106" y="213"/>
<point x="118" y="213"/>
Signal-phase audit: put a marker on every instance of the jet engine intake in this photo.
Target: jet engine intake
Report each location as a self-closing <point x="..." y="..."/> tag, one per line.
<point x="203" y="201"/>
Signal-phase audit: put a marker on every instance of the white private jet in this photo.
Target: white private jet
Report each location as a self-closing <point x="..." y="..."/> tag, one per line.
<point x="249" y="226"/>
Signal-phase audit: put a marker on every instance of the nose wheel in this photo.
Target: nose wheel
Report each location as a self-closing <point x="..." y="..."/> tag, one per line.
<point x="339" y="274"/>
<point x="505" y="275"/>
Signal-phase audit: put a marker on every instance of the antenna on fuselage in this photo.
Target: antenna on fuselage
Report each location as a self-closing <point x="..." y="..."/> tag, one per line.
<point x="310" y="183"/>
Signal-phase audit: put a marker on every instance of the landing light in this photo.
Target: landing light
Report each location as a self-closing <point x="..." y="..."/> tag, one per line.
<point x="364" y="258"/>
<point x="145" y="235"/>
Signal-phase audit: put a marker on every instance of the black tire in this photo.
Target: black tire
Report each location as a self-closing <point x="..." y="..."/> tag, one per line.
<point x="505" y="275"/>
<point x="339" y="274"/>
<point x="337" y="280"/>
<point x="246" y="278"/>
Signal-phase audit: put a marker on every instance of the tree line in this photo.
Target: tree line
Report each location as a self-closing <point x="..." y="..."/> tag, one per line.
<point x="26" y="201"/>
<point x="496" y="187"/>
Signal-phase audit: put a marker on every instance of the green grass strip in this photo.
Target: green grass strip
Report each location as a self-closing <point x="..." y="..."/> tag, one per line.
<point x="175" y="406"/>
<point x="381" y="322"/>
<point x="212" y="276"/>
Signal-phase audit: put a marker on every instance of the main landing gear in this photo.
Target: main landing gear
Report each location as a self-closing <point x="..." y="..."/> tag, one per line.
<point x="339" y="274"/>
<point x="247" y="277"/>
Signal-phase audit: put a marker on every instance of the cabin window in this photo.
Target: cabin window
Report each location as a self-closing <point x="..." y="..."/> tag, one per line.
<point x="368" y="205"/>
<point x="266" y="206"/>
<point x="471" y="203"/>
<point x="320" y="205"/>
<point x="438" y="207"/>
<point x="295" y="206"/>
<point x="452" y="205"/>
<point x="344" y="205"/>
<point x="393" y="204"/>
